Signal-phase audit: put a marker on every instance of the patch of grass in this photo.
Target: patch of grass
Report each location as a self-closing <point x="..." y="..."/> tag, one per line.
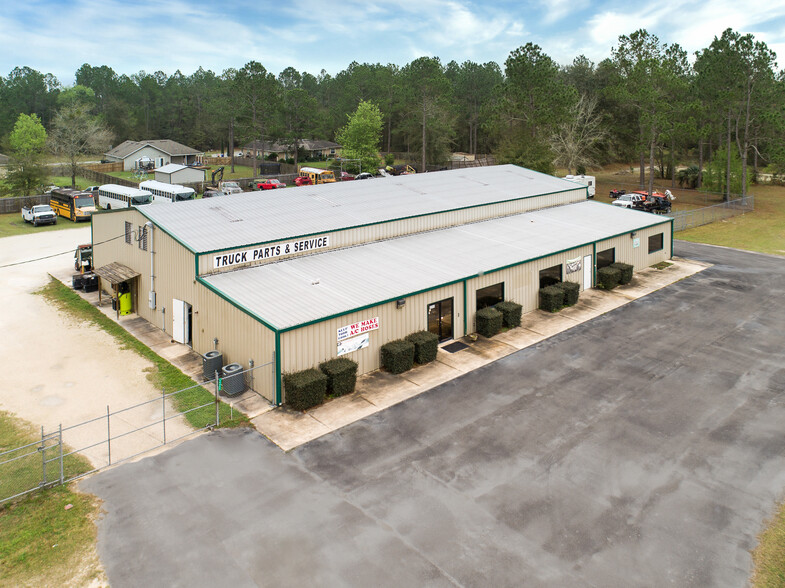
<point x="662" y="265"/>
<point x="65" y="181"/>
<point x="43" y="544"/>
<point x="12" y="224"/>
<point x="163" y="375"/>
<point x="769" y="556"/>
<point x="39" y="540"/>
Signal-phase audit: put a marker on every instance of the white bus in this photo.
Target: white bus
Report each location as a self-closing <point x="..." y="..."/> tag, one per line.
<point x="113" y="196"/>
<point x="163" y="192"/>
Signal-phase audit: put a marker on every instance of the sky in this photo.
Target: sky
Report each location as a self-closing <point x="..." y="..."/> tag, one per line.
<point x="58" y="36"/>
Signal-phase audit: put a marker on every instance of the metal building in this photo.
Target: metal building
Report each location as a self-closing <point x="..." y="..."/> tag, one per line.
<point x="299" y="276"/>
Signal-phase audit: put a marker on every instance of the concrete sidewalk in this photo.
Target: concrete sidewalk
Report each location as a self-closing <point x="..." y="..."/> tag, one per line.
<point x="378" y="390"/>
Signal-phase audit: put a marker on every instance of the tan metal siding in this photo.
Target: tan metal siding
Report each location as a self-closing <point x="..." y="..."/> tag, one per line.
<point x="640" y="257"/>
<point x="240" y="337"/>
<point x="308" y="346"/>
<point x="388" y="230"/>
<point x="173" y="264"/>
<point x="522" y="282"/>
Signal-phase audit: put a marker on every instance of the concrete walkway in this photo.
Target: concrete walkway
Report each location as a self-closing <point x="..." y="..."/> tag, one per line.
<point x="379" y="389"/>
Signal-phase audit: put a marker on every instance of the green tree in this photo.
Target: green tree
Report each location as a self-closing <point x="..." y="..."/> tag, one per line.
<point x="299" y="110"/>
<point x="427" y="93"/>
<point x="528" y="108"/>
<point x="27" y="142"/>
<point x="361" y="137"/>
<point x="257" y="96"/>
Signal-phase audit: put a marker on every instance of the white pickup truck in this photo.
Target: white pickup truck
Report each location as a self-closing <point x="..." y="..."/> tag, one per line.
<point x="39" y="214"/>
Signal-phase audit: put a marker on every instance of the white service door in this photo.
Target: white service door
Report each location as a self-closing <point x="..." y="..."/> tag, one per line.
<point x="587" y="271"/>
<point x="180" y="310"/>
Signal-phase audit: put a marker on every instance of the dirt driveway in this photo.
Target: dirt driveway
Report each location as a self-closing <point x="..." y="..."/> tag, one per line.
<point x="57" y="371"/>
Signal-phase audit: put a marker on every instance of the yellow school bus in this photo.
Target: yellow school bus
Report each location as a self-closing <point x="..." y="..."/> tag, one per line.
<point x="318" y="176"/>
<point x="73" y="204"/>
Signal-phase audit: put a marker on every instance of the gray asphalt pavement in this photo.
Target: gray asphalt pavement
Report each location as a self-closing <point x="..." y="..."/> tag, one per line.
<point x="643" y="448"/>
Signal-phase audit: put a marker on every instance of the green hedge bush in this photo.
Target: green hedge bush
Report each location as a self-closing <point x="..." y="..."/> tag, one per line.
<point x="305" y="389"/>
<point x="341" y="375"/>
<point x="551" y="298"/>
<point x="426" y="344"/>
<point x="608" y="277"/>
<point x="571" y="292"/>
<point x="511" y="313"/>
<point x="626" y="272"/>
<point x="489" y="321"/>
<point x="398" y="356"/>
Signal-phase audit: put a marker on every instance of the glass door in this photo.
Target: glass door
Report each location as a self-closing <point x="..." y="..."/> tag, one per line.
<point x="440" y="319"/>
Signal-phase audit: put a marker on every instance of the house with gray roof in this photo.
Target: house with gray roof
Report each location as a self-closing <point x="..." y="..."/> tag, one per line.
<point x="316" y="149"/>
<point x="153" y="153"/>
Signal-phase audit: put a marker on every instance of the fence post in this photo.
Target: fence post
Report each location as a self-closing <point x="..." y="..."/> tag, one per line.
<point x="61" y="453"/>
<point x="43" y="457"/>
<point x="217" y="406"/>
<point x="108" y="436"/>
<point x="163" y="411"/>
<point x="250" y="373"/>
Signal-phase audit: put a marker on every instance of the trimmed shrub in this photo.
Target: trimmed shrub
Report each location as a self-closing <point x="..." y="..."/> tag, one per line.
<point x="341" y="375"/>
<point x="551" y="298"/>
<point x="608" y="277"/>
<point x="511" y="313"/>
<point x="305" y="389"/>
<point x="571" y="292"/>
<point x="426" y="344"/>
<point x="489" y="321"/>
<point x="398" y="356"/>
<point x="626" y="272"/>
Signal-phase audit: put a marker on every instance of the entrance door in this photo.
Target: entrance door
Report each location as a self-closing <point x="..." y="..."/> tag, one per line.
<point x="440" y="319"/>
<point x="587" y="267"/>
<point x="181" y="321"/>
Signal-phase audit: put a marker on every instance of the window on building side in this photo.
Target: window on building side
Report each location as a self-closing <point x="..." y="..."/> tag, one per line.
<point x="143" y="238"/>
<point x="490" y="295"/>
<point x="605" y="258"/>
<point x="656" y="243"/>
<point x="128" y="232"/>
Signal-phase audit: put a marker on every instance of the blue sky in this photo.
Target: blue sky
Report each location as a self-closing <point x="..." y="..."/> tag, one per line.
<point x="57" y="36"/>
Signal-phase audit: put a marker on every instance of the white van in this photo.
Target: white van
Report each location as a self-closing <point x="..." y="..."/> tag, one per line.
<point x="589" y="181"/>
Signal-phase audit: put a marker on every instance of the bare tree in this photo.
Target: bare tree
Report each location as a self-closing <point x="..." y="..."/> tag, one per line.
<point x="76" y="132"/>
<point x="575" y="140"/>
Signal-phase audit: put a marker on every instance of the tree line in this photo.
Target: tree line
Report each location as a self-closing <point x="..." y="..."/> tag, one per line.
<point x="719" y="112"/>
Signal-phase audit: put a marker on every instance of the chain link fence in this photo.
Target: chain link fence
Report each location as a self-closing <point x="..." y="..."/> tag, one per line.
<point x="687" y="219"/>
<point x="68" y="453"/>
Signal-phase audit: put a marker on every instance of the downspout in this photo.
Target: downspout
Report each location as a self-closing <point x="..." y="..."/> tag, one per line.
<point x="151" y="298"/>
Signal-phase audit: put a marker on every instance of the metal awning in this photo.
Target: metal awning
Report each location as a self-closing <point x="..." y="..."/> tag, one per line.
<point x="116" y="273"/>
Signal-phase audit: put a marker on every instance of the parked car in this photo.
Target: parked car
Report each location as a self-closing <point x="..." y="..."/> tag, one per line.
<point x="302" y="181"/>
<point x="270" y="184"/>
<point x="346" y="176"/>
<point x="364" y="176"/>
<point x="629" y="200"/>
<point x="92" y="189"/>
<point x="39" y="214"/>
<point x="212" y="192"/>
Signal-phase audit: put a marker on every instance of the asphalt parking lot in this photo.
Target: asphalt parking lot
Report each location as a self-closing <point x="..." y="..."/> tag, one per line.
<point x="642" y="448"/>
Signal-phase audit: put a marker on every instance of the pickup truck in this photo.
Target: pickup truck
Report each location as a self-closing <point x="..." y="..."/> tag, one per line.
<point x="39" y="214"/>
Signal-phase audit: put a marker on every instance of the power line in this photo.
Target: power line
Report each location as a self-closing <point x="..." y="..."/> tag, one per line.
<point x="55" y="254"/>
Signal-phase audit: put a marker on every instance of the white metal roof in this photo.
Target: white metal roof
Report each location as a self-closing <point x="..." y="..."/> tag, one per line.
<point x="257" y="217"/>
<point x="285" y="294"/>
<point x="170" y="168"/>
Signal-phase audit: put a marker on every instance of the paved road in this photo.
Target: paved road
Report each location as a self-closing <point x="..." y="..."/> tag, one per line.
<point x="644" y="448"/>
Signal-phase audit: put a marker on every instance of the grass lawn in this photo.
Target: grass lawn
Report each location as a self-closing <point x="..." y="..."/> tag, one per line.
<point x="163" y="375"/>
<point x="12" y="224"/>
<point x="42" y="543"/>
<point x="65" y="181"/>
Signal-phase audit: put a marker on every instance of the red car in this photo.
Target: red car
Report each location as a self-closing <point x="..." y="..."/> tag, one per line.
<point x="302" y="181"/>
<point x="270" y="184"/>
<point x="345" y="176"/>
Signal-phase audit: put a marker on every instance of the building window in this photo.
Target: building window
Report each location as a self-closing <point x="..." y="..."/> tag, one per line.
<point x="143" y="238"/>
<point x="550" y="276"/>
<point x="490" y="295"/>
<point x="655" y="243"/>
<point x="605" y="258"/>
<point x="128" y="232"/>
